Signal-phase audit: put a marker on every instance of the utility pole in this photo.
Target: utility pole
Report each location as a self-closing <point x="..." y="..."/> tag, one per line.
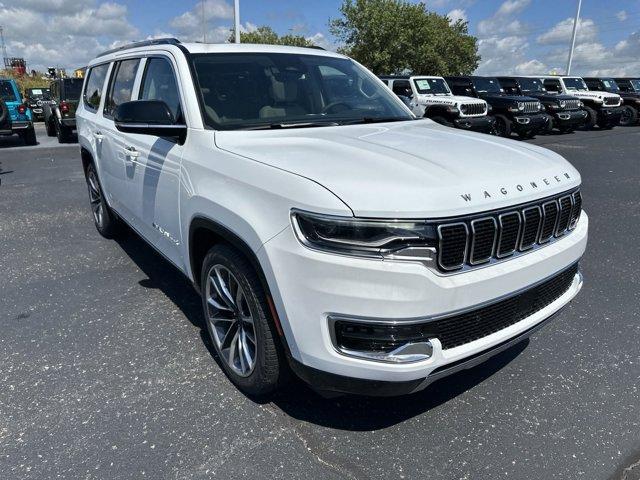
<point x="4" y="47"/>
<point x="573" y="37"/>
<point x="236" y="18"/>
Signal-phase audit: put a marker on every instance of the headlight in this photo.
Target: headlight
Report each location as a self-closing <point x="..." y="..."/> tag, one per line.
<point x="520" y="106"/>
<point x="369" y="238"/>
<point x="453" y="109"/>
<point x="490" y="108"/>
<point x="580" y="103"/>
<point x="563" y="104"/>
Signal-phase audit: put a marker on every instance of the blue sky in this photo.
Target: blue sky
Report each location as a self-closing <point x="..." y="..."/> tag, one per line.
<point x="515" y="36"/>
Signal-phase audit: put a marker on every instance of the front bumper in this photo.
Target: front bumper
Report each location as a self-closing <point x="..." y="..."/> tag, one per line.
<point x="530" y="123"/>
<point x="609" y="116"/>
<point x="309" y="286"/>
<point x="569" y="118"/>
<point x="476" y="124"/>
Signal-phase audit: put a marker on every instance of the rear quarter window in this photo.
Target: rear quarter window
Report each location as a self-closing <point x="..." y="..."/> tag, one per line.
<point x="7" y="93"/>
<point x="95" y="86"/>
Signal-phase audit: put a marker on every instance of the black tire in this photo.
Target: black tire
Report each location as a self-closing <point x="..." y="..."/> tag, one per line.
<point x="503" y="126"/>
<point x="270" y="368"/>
<point x="524" y="135"/>
<point x="566" y="130"/>
<point x="629" y="116"/>
<point x="592" y="118"/>
<point x="106" y="221"/>
<point x="29" y="136"/>
<point x="51" y="129"/>
<point x="63" y="133"/>
<point x="4" y="112"/>
<point x="441" y="121"/>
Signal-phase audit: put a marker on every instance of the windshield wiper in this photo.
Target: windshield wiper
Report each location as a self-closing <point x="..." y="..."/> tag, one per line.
<point x="270" y="126"/>
<point x="376" y="120"/>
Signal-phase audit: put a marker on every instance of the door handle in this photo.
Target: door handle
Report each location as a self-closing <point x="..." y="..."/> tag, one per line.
<point x="131" y="152"/>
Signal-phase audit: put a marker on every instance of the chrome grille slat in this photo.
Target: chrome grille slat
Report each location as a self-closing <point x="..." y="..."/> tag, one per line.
<point x="531" y="107"/>
<point x="572" y="104"/>
<point x="472" y="108"/>
<point x="493" y="236"/>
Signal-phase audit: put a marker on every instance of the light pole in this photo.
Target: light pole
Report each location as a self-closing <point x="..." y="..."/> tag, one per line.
<point x="573" y="37"/>
<point x="236" y="19"/>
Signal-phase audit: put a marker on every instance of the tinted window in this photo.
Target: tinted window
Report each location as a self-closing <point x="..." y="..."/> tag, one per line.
<point x="531" y="85"/>
<point x="160" y="84"/>
<point x="552" y="85"/>
<point x="487" y="85"/>
<point x="121" y="85"/>
<point x="261" y="90"/>
<point x="431" y="86"/>
<point x="575" y="83"/>
<point x="95" y="84"/>
<point x="402" y="87"/>
<point x="610" y="84"/>
<point x="72" y="88"/>
<point x="6" y="92"/>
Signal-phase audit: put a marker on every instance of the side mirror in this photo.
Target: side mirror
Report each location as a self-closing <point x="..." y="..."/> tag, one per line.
<point x="148" y="117"/>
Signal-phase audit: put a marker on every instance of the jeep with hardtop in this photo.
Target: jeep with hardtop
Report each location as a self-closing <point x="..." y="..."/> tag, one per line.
<point x="603" y="108"/>
<point x="513" y="113"/>
<point x="431" y="97"/>
<point x="60" y="114"/>
<point x="565" y="110"/>
<point x="630" y="99"/>
<point x="15" y="116"/>
<point x="328" y="230"/>
<point x="36" y="99"/>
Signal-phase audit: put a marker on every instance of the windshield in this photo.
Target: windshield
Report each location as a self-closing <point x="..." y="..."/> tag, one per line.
<point x="7" y="93"/>
<point x="636" y="85"/>
<point x="575" y="83"/>
<point x="72" y="88"/>
<point x="250" y="90"/>
<point x="530" y="85"/>
<point x="487" y="85"/>
<point x="610" y="84"/>
<point x="427" y="86"/>
<point x="38" y="93"/>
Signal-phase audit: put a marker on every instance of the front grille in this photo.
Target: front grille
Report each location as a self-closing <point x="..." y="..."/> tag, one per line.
<point x="475" y="324"/>
<point x="572" y="104"/>
<point x="531" y="107"/>
<point x="473" y="109"/>
<point x="457" y="329"/>
<point x="612" y="101"/>
<point x="491" y="236"/>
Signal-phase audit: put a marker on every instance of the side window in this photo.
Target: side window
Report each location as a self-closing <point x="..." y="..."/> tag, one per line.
<point x="551" y="85"/>
<point x="94" y="86"/>
<point x="121" y="85"/>
<point x="402" y="87"/>
<point x="159" y="83"/>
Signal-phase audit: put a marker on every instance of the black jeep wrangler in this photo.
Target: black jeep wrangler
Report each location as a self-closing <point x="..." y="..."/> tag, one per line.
<point x="513" y="113"/>
<point x="36" y="99"/>
<point x="565" y="110"/>
<point x="630" y="98"/>
<point x="60" y="117"/>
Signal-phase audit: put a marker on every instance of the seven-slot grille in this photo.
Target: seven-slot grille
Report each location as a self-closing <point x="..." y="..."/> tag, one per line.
<point x="472" y="109"/>
<point x="572" y="104"/>
<point x="497" y="235"/>
<point x="531" y="107"/>
<point x="611" y="101"/>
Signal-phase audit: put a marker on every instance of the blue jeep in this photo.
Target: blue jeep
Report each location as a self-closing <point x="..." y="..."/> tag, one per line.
<point x="15" y="116"/>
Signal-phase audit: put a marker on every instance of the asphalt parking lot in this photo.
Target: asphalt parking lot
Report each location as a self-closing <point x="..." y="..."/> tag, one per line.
<point x="105" y="370"/>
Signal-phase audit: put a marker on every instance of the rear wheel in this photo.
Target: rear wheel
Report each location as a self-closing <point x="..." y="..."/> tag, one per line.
<point x="105" y="220"/>
<point x="239" y="322"/>
<point x="51" y="129"/>
<point x="503" y="126"/>
<point x="629" y="116"/>
<point x="63" y="133"/>
<point x="592" y="118"/>
<point x="29" y="136"/>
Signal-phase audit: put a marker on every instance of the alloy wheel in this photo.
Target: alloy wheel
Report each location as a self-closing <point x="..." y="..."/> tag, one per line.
<point x="95" y="197"/>
<point x="230" y="320"/>
<point x="627" y="115"/>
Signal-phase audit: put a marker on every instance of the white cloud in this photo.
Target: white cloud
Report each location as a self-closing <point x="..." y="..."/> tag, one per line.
<point x="503" y="21"/>
<point x="193" y="19"/>
<point x="531" y="67"/>
<point x="562" y="31"/>
<point x="512" y="7"/>
<point x="622" y="15"/>
<point x="501" y="54"/>
<point x="457" y="14"/>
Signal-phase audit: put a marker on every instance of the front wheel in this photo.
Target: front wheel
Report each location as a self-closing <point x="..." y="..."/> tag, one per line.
<point x="239" y="322"/>
<point x="105" y="220"/>
<point x="503" y="126"/>
<point x="629" y="116"/>
<point x="592" y="118"/>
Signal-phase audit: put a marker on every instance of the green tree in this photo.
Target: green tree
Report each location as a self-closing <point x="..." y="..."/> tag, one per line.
<point x="392" y="36"/>
<point x="266" y="35"/>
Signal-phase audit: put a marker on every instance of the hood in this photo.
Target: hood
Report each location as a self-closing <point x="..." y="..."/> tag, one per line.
<point x="550" y="96"/>
<point x="593" y="94"/>
<point x="412" y="169"/>
<point x="504" y="98"/>
<point x="451" y="99"/>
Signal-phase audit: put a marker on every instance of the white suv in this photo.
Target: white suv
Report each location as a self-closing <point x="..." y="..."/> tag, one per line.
<point x="327" y="229"/>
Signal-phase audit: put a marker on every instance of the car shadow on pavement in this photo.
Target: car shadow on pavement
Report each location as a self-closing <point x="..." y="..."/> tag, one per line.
<point x="297" y="399"/>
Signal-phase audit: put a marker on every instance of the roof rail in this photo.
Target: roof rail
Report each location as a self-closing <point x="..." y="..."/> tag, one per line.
<point x="144" y="43"/>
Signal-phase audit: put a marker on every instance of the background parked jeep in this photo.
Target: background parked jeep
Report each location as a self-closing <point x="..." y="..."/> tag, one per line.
<point x="513" y="113"/>
<point x="36" y="99"/>
<point x="431" y="97"/>
<point x="630" y="99"/>
<point x="15" y="116"/>
<point x="603" y="108"/>
<point x="60" y="116"/>
<point x="565" y="110"/>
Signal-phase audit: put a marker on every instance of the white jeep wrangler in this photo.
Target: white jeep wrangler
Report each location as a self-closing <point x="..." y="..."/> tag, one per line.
<point x="326" y="228"/>
<point x="431" y="97"/>
<point x="604" y="108"/>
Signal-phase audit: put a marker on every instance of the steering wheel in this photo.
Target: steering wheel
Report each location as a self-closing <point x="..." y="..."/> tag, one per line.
<point x="329" y="108"/>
